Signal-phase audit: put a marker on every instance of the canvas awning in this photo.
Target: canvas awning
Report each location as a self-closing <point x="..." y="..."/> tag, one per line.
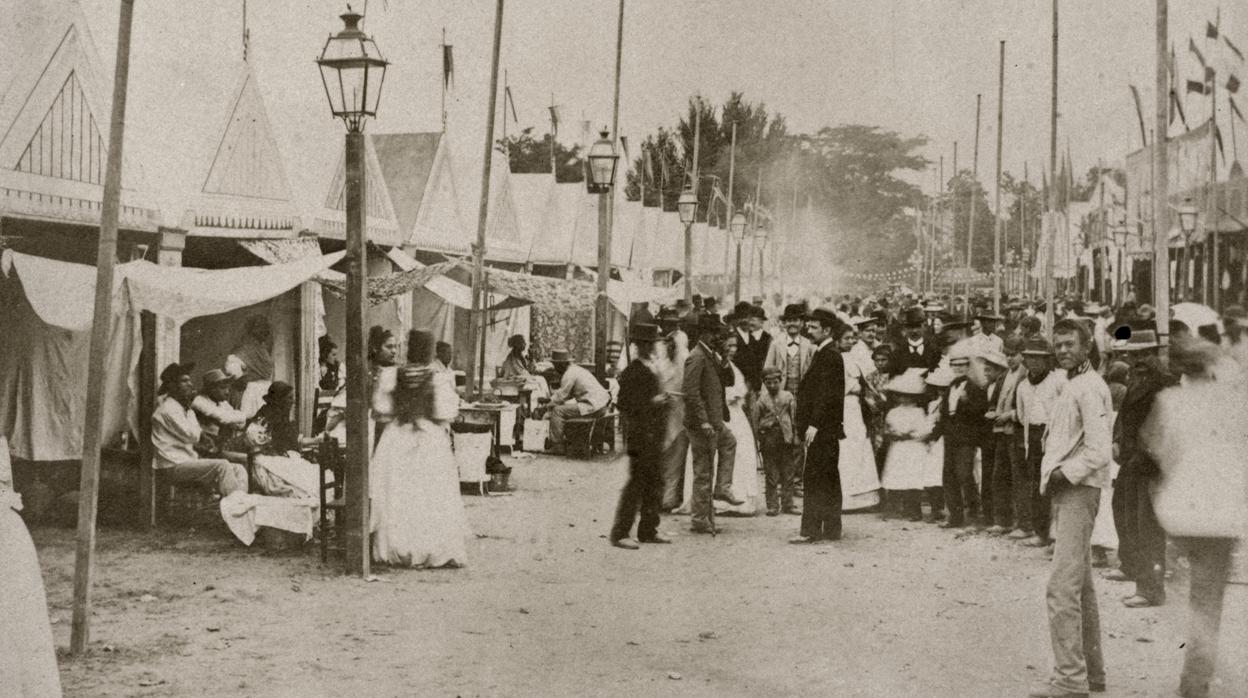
<point x="450" y="290"/>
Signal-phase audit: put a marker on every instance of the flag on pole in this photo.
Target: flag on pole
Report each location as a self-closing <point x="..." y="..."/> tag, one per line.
<point x="1177" y="106"/>
<point x="1210" y="74"/>
<point x="1217" y="137"/>
<point x="1235" y="109"/>
<point x="448" y="66"/>
<point x="1191" y="46"/>
<point x="510" y="102"/>
<point x="1139" y="113"/>
<point x="628" y="159"/>
<point x="1196" y="86"/>
<point x="1234" y="49"/>
<point x="554" y="118"/>
<point x="1232" y="84"/>
<point x="1211" y="30"/>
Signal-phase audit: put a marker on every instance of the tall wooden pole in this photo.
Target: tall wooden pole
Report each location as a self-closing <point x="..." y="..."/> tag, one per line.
<point x="970" y="231"/>
<point x="697" y="144"/>
<point x="606" y="215"/>
<point x="483" y="212"/>
<point x="1161" y="182"/>
<point x="1052" y="233"/>
<point x="358" y="444"/>
<point x="758" y="193"/>
<point x="106" y="258"/>
<point x="1023" y="250"/>
<point x="953" y="217"/>
<point x="732" y="207"/>
<point x="996" y="229"/>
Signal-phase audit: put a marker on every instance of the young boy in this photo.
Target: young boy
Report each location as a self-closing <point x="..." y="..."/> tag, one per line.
<point x="774" y="413"/>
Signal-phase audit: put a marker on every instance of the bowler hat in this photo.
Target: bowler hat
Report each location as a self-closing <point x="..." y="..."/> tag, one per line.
<point x="1138" y="341"/>
<point x="559" y="356"/>
<point x="644" y="332"/>
<point x="682" y="304"/>
<point x="710" y="323"/>
<point x="742" y="310"/>
<point x="1037" y="346"/>
<point x="793" y="311"/>
<point x="912" y="316"/>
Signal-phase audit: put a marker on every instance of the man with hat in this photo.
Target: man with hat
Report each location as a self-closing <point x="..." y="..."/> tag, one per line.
<point x="792" y="353"/>
<point x="917" y="351"/>
<point x="642" y="404"/>
<point x="753" y="343"/>
<point x="579" y="395"/>
<point x="987" y="338"/>
<point x="773" y="417"/>
<point x="966" y="428"/>
<point x="820" y="415"/>
<point x="706" y="421"/>
<point x="219" y="419"/>
<point x="1004" y="370"/>
<point x="176" y="434"/>
<point x="1141" y="540"/>
<point x="1034" y="399"/>
<point x="868" y="340"/>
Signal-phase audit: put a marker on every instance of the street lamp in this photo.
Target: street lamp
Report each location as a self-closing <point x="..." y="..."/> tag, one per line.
<point x="687" y="207"/>
<point x="600" y="165"/>
<point x="1187" y="224"/>
<point x="737" y="226"/>
<point x="760" y="242"/>
<point x="352" y="70"/>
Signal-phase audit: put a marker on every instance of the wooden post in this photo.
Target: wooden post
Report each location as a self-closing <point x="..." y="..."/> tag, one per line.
<point x="1048" y="264"/>
<point x="166" y="347"/>
<point x="1161" y="182"/>
<point x="606" y="217"/>
<point x="970" y="232"/>
<point x="106" y="258"/>
<point x="697" y="144"/>
<point x="309" y="366"/>
<point x="996" y="229"/>
<point x="359" y="446"/>
<point x="483" y="212"/>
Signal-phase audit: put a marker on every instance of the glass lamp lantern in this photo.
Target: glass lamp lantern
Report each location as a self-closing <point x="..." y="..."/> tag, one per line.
<point x="687" y="206"/>
<point x="601" y="163"/>
<point x="738" y="226"/>
<point x="352" y="71"/>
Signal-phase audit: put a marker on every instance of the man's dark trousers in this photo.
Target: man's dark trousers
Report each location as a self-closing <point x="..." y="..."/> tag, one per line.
<point x="821" y="507"/>
<point x="1141" y="540"/>
<point x="643" y="493"/>
<point x="961" y="495"/>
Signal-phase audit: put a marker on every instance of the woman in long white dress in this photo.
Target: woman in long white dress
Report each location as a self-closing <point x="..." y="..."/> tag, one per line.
<point x="418" y="517"/>
<point x="745" y="484"/>
<point x="860" y="479"/>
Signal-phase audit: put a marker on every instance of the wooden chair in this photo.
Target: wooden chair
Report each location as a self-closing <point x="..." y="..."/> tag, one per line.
<point x="589" y="435"/>
<point x="330" y="460"/>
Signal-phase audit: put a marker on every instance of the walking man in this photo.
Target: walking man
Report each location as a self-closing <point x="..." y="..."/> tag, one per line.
<point x="820" y="414"/>
<point x="706" y="420"/>
<point x="641" y="406"/>
<point x="1077" y="452"/>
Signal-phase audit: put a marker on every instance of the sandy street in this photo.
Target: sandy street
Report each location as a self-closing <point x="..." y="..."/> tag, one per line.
<point x="546" y="607"/>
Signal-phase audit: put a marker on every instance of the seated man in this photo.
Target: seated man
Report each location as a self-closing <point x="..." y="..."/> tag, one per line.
<point x="218" y="419"/>
<point x="579" y="395"/>
<point x="176" y="433"/>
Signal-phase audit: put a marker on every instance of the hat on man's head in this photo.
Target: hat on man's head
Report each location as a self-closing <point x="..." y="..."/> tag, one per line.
<point x="644" y="332"/>
<point x="758" y="312"/>
<point x="954" y="325"/>
<point x="913" y="317"/>
<point x="1139" y="340"/>
<point x="214" y="377"/>
<point x="682" y="304"/>
<point x="175" y="371"/>
<point x="697" y="300"/>
<point x="940" y="378"/>
<point x="994" y="357"/>
<point x="709" y="323"/>
<point x="908" y="383"/>
<point x="863" y="321"/>
<point x="756" y="300"/>
<point x="1037" y="346"/>
<point x="989" y="316"/>
<point x="771" y="372"/>
<point x="793" y="311"/>
<point x="559" y="356"/>
<point x="1093" y="308"/>
<point x="741" y="311"/>
<point x="278" y="391"/>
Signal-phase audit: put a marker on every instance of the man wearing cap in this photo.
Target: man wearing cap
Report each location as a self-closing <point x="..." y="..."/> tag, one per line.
<point x="917" y="350"/>
<point x="999" y="506"/>
<point x="1141" y="540"/>
<point x="217" y="417"/>
<point x="1034" y="399"/>
<point x="820" y="414"/>
<point x="706" y="421"/>
<point x="642" y="409"/>
<point x="176" y="433"/>
<point x="1077" y="452"/>
<point x="579" y="395"/>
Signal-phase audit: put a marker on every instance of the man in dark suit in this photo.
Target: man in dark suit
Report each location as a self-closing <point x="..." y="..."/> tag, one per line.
<point x="641" y="406"/>
<point x="918" y="350"/>
<point x="753" y="344"/>
<point x="706" y="421"/>
<point x="820" y="413"/>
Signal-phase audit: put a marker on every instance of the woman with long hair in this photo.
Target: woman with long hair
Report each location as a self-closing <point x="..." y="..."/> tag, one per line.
<point x="418" y="516"/>
<point x="383" y="354"/>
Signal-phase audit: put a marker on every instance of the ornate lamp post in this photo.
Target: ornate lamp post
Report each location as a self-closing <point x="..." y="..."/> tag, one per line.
<point x="600" y="178"/>
<point x="1187" y="223"/>
<point x="687" y="207"/>
<point x="737" y="226"/>
<point x="352" y="70"/>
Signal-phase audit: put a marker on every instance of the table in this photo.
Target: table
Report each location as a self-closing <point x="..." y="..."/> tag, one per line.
<point x="501" y="416"/>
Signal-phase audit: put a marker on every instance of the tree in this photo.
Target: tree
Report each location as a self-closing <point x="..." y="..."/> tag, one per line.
<point x="1023" y="216"/>
<point x="529" y="155"/>
<point x="967" y="192"/>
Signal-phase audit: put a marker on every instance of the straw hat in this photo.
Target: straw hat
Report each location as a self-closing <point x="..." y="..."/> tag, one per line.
<point x="940" y="378"/>
<point x="908" y="383"/>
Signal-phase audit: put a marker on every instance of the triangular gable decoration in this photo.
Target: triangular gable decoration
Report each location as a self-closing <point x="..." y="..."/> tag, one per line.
<point x="247" y="162"/>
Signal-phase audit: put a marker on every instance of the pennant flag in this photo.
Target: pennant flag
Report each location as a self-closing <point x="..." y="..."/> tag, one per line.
<point x="1232" y="84"/>
<point x="663" y="169"/>
<point x="1139" y="112"/>
<point x="1211" y="30"/>
<point x="448" y="66"/>
<point x="624" y="144"/>
<point x="1176" y="105"/>
<point x="1235" y="110"/>
<point x="1210" y="74"/>
<point x="1196" y="86"/>
<point x="1234" y="49"/>
<point x="1217" y="136"/>
<point x="1191" y="46"/>
<point x="554" y="118"/>
<point x="647" y="163"/>
<point x="510" y="102"/>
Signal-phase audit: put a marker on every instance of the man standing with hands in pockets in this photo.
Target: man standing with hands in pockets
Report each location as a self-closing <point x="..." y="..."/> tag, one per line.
<point x="1077" y="452"/>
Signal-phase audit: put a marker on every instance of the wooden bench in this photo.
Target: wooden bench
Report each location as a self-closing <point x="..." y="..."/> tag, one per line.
<point x="587" y="436"/>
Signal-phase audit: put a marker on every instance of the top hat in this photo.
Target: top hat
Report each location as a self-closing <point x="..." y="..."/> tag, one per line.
<point x="213" y="377"/>
<point x="793" y="311"/>
<point x="559" y="356"/>
<point x="644" y="332"/>
<point x="1138" y="341"/>
<point x="912" y="316"/>
<point x="1037" y="346"/>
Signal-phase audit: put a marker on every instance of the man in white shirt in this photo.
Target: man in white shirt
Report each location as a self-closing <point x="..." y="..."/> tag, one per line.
<point x="987" y="338"/>
<point x="1077" y="452"/>
<point x="217" y="417"/>
<point x="176" y="433"/>
<point x="579" y="395"/>
<point x="791" y="353"/>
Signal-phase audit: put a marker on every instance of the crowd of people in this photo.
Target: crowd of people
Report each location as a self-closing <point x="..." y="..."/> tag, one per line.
<point x="940" y="410"/>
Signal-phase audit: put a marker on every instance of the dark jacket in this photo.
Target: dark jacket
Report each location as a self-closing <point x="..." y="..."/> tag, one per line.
<point x="821" y="394"/>
<point x="1133" y="458"/>
<point x="644" y="420"/>
<point x="704" y="391"/>
<point x="750" y="357"/>
<point x="967" y="426"/>
<point x="903" y="359"/>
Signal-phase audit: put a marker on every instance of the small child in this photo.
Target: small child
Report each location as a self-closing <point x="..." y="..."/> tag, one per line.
<point x="876" y="402"/>
<point x="907" y="428"/>
<point x="773" y="415"/>
<point x="934" y="468"/>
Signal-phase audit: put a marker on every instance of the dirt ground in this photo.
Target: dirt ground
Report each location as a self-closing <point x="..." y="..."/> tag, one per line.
<point x="546" y="607"/>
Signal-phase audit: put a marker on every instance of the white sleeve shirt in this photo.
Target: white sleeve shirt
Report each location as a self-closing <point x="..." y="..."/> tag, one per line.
<point x="175" y="432"/>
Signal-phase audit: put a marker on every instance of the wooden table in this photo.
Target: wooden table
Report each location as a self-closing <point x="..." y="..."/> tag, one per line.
<point x="501" y="416"/>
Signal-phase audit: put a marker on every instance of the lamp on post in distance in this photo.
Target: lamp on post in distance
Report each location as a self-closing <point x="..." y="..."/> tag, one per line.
<point x="352" y="71"/>
<point x="600" y="166"/>
<point x="737" y="226"/>
<point x="687" y="207"/>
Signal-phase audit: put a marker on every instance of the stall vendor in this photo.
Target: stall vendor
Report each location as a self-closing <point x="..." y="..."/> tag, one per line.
<point x="176" y="434"/>
<point x="579" y="395"/>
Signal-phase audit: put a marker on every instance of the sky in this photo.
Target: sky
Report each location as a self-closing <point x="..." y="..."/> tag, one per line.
<point x="913" y="66"/>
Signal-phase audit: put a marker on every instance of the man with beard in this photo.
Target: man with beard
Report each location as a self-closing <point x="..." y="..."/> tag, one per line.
<point x="706" y="421"/>
<point x="820" y="411"/>
<point x="641" y="406"/>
